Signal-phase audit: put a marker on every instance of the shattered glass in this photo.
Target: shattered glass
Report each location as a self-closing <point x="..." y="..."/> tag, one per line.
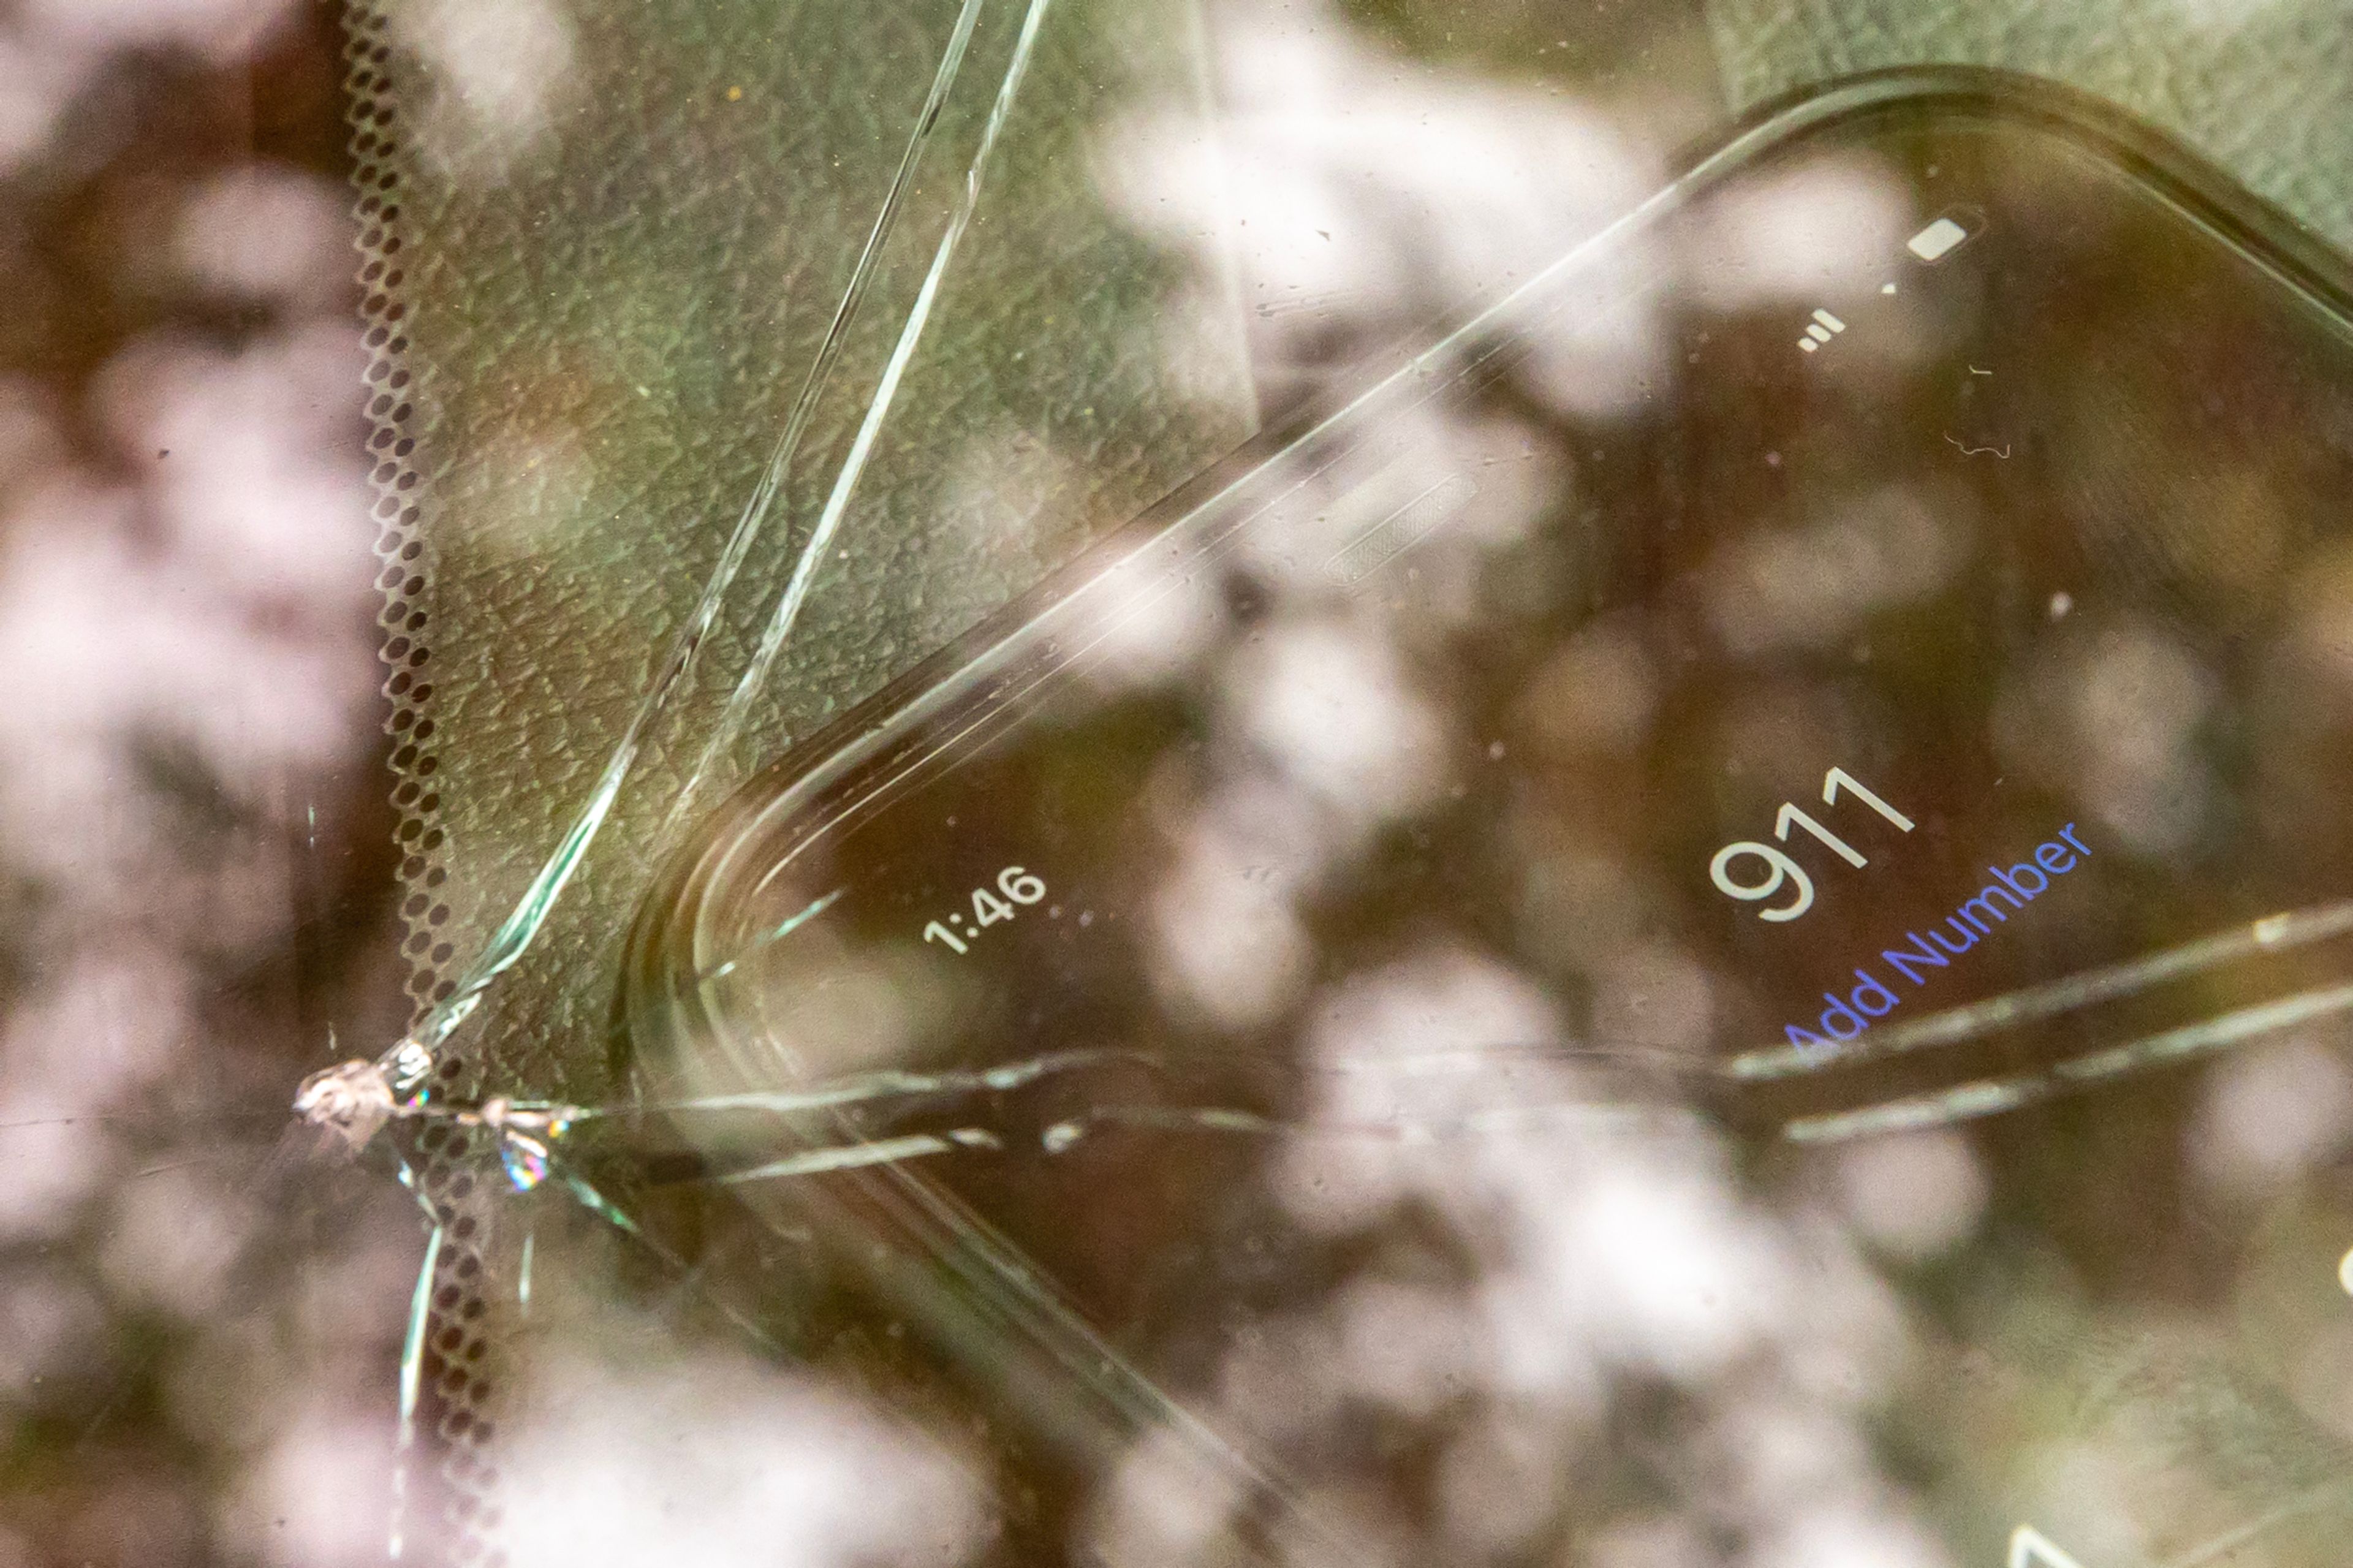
<point x="1395" y="979"/>
<point x="721" y="362"/>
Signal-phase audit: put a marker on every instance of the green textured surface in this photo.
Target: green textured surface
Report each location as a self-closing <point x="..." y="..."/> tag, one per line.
<point x="610" y="309"/>
<point x="2260" y="86"/>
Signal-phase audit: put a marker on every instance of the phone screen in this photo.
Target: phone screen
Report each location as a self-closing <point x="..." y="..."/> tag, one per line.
<point x="1718" y="928"/>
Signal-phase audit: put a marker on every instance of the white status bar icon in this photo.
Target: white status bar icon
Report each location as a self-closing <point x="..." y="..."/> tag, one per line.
<point x="1819" y="331"/>
<point x="1936" y="240"/>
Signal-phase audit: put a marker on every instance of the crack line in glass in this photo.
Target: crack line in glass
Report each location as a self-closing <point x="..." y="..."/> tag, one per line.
<point x="755" y="680"/>
<point x="2272" y="933"/>
<point x="521" y="926"/>
<point x="1988" y="1097"/>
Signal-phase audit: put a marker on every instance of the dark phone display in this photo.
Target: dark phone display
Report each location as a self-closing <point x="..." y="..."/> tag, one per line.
<point x="1693" y="917"/>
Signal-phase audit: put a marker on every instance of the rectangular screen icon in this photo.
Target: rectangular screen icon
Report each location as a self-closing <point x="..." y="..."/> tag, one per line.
<point x="1936" y="240"/>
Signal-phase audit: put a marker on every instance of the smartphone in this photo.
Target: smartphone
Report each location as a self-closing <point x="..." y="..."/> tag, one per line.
<point x="1712" y="923"/>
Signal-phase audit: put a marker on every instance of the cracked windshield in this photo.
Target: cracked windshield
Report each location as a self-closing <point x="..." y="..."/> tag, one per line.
<point x="1169" y="784"/>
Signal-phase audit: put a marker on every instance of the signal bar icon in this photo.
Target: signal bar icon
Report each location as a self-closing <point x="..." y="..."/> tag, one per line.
<point x="1820" y="331"/>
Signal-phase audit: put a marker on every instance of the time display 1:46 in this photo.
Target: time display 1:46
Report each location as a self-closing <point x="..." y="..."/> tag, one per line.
<point x="1015" y="884"/>
<point x="1781" y="870"/>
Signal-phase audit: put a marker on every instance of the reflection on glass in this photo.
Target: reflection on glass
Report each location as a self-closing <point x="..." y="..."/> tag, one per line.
<point x="1313" y="1097"/>
<point x="1708" y="928"/>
